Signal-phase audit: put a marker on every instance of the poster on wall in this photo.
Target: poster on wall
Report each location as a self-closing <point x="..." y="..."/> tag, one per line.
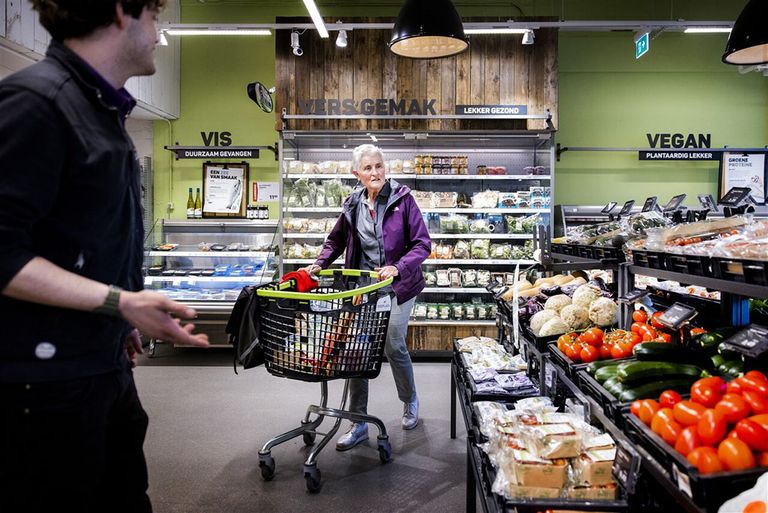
<point x="743" y="170"/>
<point x="224" y="190"/>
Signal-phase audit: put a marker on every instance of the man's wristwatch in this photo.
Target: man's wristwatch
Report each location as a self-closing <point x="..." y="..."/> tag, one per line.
<point x="111" y="302"/>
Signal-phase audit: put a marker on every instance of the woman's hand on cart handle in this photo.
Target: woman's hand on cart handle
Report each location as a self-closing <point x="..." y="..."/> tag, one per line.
<point x="312" y="270"/>
<point x="388" y="271"/>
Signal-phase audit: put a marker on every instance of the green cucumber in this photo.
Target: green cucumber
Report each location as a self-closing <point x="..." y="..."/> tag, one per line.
<point x="736" y="368"/>
<point x="634" y="373"/>
<point x="604" y="373"/>
<point x="711" y="339"/>
<point x="614" y="386"/>
<point x="718" y="360"/>
<point x="670" y="352"/>
<point x="593" y="367"/>
<point x="655" y="388"/>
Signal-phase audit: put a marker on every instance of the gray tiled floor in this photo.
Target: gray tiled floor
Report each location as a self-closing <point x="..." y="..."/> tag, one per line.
<point x="207" y="425"/>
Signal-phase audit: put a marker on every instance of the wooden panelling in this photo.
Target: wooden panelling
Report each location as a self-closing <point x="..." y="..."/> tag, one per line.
<point x="496" y="70"/>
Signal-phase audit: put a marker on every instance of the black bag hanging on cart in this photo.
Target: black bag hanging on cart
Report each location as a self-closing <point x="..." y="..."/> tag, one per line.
<point x="242" y="328"/>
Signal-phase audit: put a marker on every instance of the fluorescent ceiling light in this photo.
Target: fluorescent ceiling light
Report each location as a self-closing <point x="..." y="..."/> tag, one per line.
<point x="316" y="18"/>
<point x="495" y="31"/>
<point x="707" y="30"/>
<point x="218" y="32"/>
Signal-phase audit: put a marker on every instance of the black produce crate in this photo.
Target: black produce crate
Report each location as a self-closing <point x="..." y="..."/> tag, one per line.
<point x="608" y="253"/>
<point x="585" y="252"/>
<point x="709" y="309"/>
<point x="565" y="249"/>
<point x="541" y="343"/>
<point x="610" y="404"/>
<point x="708" y="491"/>
<point x="561" y="360"/>
<point x="697" y="265"/>
<point x="754" y="272"/>
<point x="649" y="259"/>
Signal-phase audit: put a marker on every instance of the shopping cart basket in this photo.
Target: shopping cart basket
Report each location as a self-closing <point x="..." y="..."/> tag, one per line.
<point x="336" y="331"/>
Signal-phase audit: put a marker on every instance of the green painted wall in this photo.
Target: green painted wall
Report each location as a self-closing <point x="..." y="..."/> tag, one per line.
<point x="606" y="97"/>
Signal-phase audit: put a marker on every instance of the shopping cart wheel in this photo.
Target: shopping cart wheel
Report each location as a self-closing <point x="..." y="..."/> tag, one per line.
<point x="309" y="437"/>
<point x="267" y="465"/>
<point x="385" y="451"/>
<point x="313" y="477"/>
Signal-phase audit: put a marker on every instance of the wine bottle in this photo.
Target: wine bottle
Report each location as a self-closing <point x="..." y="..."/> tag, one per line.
<point x="190" y="205"/>
<point x="198" y="206"/>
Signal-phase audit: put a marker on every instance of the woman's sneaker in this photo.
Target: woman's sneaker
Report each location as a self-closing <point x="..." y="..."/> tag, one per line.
<point x="357" y="434"/>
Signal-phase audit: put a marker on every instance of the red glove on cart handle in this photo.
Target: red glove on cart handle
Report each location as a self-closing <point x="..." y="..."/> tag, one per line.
<point x="302" y="281"/>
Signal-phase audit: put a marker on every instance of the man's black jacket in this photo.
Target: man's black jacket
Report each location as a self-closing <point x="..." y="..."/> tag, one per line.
<point x="70" y="193"/>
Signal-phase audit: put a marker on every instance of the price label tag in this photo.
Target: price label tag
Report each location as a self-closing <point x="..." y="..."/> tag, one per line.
<point x="550" y="378"/>
<point x="752" y="341"/>
<point x="683" y="481"/>
<point x="610" y="206"/>
<point x="650" y="204"/>
<point x="626" y="467"/>
<point x="677" y="315"/>
<point x="634" y="295"/>
<point x="627" y="208"/>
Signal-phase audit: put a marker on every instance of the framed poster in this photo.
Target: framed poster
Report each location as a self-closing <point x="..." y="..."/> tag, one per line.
<point x="743" y="170"/>
<point x="225" y="190"/>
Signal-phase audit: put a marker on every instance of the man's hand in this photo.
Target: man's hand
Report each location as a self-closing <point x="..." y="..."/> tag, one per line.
<point x="133" y="347"/>
<point x="388" y="271"/>
<point x="150" y="313"/>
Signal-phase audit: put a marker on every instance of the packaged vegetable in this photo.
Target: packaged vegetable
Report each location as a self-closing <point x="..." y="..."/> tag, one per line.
<point x="501" y="251"/>
<point x="444" y="251"/>
<point x="432" y="311"/>
<point x="444" y="312"/>
<point x="430" y="278"/>
<point x="486" y="199"/>
<point x="445" y="199"/>
<point x="443" y="278"/>
<point x="461" y="250"/>
<point x="469" y="278"/>
<point x="455" y="277"/>
<point x="480" y="226"/>
<point x="458" y="311"/>
<point x="454" y="223"/>
<point x="483" y="278"/>
<point x="509" y="200"/>
<point x="481" y="249"/>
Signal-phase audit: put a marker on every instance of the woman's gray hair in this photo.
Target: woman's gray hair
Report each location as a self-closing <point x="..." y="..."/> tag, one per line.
<point x="365" y="150"/>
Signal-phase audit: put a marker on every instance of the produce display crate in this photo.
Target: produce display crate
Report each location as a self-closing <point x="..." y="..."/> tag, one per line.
<point x="608" y="253"/>
<point x="754" y="272"/>
<point x="650" y="259"/>
<point x="541" y="343"/>
<point x="561" y="360"/>
<point x="564" y="249"/>
<point x="610" y="404"/>
<point x="709" y="309"/>
<point x="696" y="265"/>
<point x="709" y="491"/>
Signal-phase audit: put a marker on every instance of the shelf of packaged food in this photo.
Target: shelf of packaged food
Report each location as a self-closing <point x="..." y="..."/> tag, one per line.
<point x="451" y="323"/>
<point x="337" y="210"/>
<point x="456" y="290"/>
<point x="251" y="280"/>
<point x="478" y="262"/>
<point x="308" y="260"/>
<point x="732" y="287"/>
<point x="232" y="223"/>
<point x="318" y="176"/>
<point x="211" y="254"/>
<point x="493" y="236"/>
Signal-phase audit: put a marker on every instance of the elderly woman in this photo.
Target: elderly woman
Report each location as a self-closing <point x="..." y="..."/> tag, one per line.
<point x="381" y="229"/>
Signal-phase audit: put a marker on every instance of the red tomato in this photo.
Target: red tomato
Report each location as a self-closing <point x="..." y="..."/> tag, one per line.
<point x="617" y="352"/>
<point x="687" y="441"/>
<point x="688" y="413"/>
<point x="570" y="351"/>
<point x="754" y="374"/>
<point x="762" y="459"/>
<point x="636" y="327"/>
<point x="589" y="354"/>
<point x="598" y="333"/>
<point x="757" y="403"/>
<point x="639" y="316"/>
<point x="626" y="347"/>
<point x="760" y="419"/>
<point x="753" y="434"/>
<point x="666" y="337"/>
<point x="705" y="460"/>
<point x="697" y="331"/>
<point x="708" y="391"/>
<point x="734" y="386"/>
<point x="733" y="434"/>
<point x="589" y="338"/>
<point x="755" y="507"/>
<point x="670" y="430"/>
<point x="654" y="320"/>
<point x="605" y="352"/>
<point x="669" y="398"/>
<point x="636" y="339"/>
<point x="753" y="384"/>
<point x="711" y="428"/>
<point x="733" y="407"/>
<point x="564" y="340"/>
<point x="647" y="333"/>
<point x="661" y="417"/>
<point x="634" y="408"/>
<point x="646" y="411"/>
<point x="735" y="455"/>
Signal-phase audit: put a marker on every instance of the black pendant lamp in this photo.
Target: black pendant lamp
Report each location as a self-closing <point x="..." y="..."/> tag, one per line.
<point x="428" y="29"/>
<point x="748" y="42"/>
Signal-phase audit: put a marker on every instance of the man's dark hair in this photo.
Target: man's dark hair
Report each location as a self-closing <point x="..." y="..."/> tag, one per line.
<point x="64" y="19"/>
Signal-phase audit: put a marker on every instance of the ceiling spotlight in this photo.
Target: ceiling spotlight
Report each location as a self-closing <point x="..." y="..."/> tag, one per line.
<point x="341" y="39"/>
<point x="297" y="51"/>
<point x="428" y="30"/>
<point x="748" y="42"/>
<point x="528" y="37"/>
<point x="162" y="40"/>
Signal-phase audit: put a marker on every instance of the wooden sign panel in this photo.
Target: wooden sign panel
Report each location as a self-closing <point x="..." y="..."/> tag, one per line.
<point x="496" y="70"/>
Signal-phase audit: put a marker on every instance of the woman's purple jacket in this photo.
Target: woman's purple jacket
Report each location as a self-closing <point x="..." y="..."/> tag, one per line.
<point x="406" y="240"/>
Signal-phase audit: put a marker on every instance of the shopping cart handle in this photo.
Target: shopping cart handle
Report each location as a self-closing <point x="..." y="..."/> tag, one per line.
<point x="281" y="293"/>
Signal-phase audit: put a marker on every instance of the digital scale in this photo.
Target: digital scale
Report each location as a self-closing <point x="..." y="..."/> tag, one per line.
<point x="677" y="315"/>
<point x="650" y="204"/>
<point x="752" y="341"/>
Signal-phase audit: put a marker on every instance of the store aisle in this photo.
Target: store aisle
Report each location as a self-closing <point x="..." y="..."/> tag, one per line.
<point x="207" y="426"/>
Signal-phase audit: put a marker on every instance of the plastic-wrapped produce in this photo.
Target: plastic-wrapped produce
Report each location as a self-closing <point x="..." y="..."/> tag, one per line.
<point x="485" y="199"/>
<point x="461" y="250"/>
<point x="482" y="311"/>
<point x="469" y="311"/>
<point x="445" y="199"/>
<point x="443" y="278"/>
<point x="334" y="193"/>
<point x="454" y="223"/>
<point x="444" y="312"/>
<point x="501" y="251"/>
<point x="295" y="224"/>
<point x="420" y="311"/>
<point x="480" y="225"/>
<point x="424" y="199"/>
<point x="469" y="278"/>
<point x="481" y="249"/>
<point x="432" y="313"/>
<point x="430" y="278"/>
<point x="483" y="278"/>
<point x="316" y="226"/>
<point x="458" y="311"/>
<point x="509" y="200"/>
<point x="455" y="277"/>
<point x="639" y="223"/>
<point x="329" y="167"/>
<point x="444" y="251"/>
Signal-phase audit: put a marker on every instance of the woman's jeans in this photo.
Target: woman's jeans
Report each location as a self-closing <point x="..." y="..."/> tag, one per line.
<point x="399" y="360"/>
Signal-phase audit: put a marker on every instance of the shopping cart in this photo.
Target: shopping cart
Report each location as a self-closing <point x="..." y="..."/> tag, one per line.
<point x="336" y="331"/>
